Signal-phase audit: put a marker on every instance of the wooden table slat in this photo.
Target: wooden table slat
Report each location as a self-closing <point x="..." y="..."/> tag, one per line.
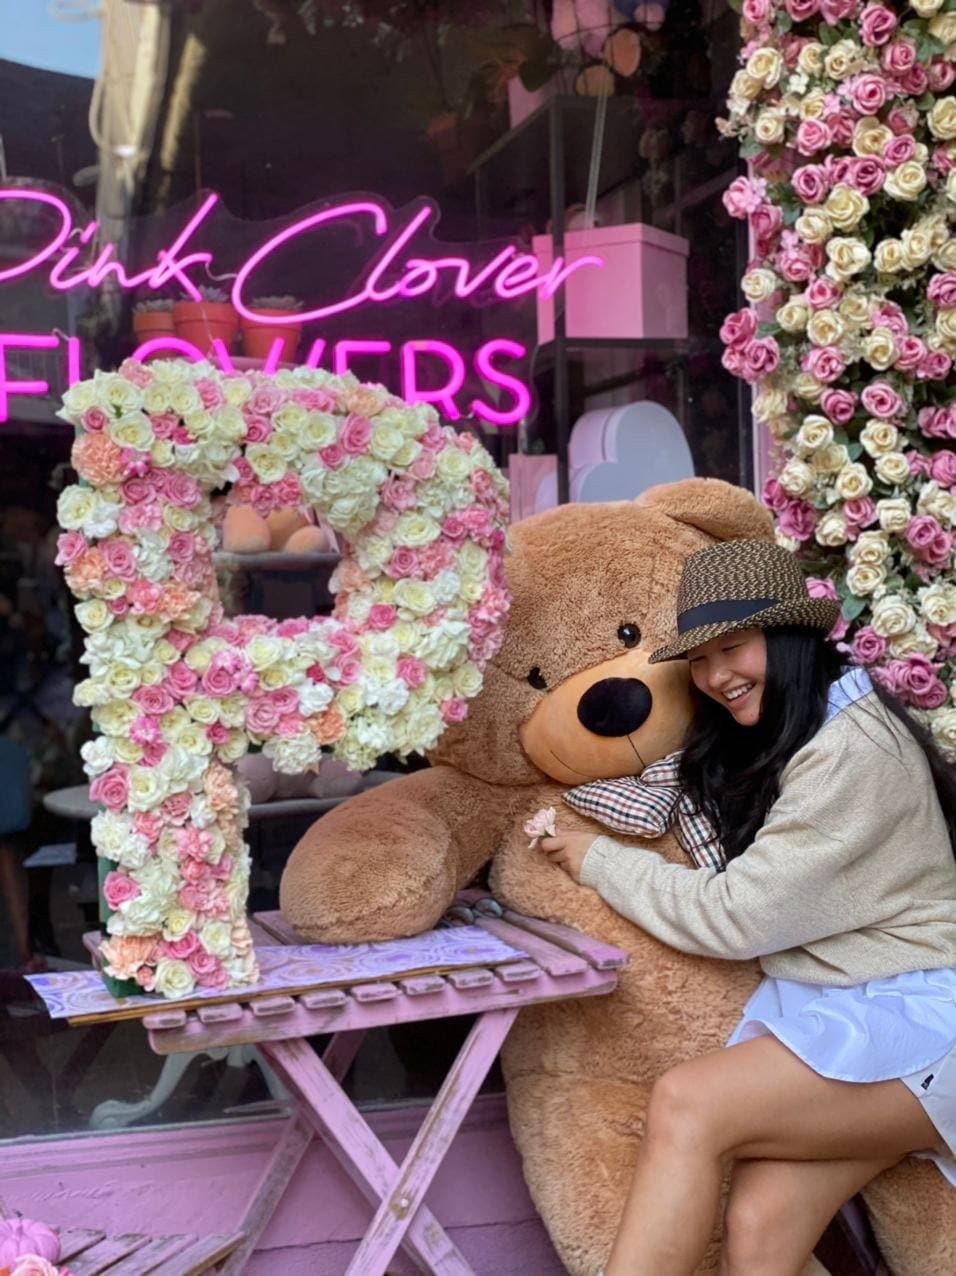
<point x="475" y="977"/>
<point x="110" y="1250"/>
<point x="324" y="999"/>
<point x="153" y="1257"/>
<point x="74" y="1240"/>
<point x="520" y="972"/>
<point x="202" y="1254"/>
<point x="383" y="991"/>
<point x="228" y="1012"/>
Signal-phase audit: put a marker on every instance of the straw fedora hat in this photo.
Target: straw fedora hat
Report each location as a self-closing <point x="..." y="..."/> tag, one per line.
<point x="742" y="585"/>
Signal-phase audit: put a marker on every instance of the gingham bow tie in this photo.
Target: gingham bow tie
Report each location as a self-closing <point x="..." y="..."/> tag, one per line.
<point x="648" y="805"/>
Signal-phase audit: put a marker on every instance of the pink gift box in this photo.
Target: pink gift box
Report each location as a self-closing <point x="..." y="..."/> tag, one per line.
<point x="640" y="291"/>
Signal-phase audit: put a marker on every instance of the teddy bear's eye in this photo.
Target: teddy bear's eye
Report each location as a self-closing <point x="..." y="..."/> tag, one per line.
<point x="629" y="635"/>
<point x="537" y="679"/>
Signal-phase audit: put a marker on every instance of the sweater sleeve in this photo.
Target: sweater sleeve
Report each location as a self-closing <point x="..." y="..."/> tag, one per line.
<point x="787" y="889"/>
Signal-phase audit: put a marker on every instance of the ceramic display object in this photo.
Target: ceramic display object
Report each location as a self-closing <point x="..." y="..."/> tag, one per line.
<point x="258" y="339"/>
<point x="152" y="319"/>
<point x="202" y="322"/>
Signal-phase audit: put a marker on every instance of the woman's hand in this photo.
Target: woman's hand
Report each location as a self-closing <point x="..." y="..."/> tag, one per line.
<point x="568" y="851"/>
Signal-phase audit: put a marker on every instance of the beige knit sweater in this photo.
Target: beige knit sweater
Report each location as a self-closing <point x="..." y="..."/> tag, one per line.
<point x="851" y="878"/>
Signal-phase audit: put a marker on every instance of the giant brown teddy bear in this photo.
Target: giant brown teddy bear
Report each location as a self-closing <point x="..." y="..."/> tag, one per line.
<point x="594" y="589"/>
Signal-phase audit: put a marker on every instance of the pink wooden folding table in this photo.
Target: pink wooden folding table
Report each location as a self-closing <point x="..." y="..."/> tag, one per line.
<point x="558" y="963"/>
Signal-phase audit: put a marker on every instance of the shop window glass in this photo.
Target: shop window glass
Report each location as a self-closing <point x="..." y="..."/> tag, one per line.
<point x="131" y="119"/>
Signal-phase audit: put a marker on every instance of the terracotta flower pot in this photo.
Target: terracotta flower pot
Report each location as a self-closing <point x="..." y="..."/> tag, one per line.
<point x="257" y="338"/>
<point x="149" y="324"/>
<point x="201" y="322"/>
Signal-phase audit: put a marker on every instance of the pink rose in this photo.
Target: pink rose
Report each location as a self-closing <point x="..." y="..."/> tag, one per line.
<point x="859" y="511"/>
<point x="258" y="429"/>
<point x="773" y="496"/>
<point x="910" y="354"/>
<point x="936" y="366"/>
<point x="119" y="888"/>
<point x="349" y="671"/>
<point x="220" y="680"/>
<point x="111" y="788"/>
<point x="262" y="716"/>
<point x="144" y="597"/>
<point x="826" y="363"/>
<point x="868" y="646"/>
<point x="35" y="1265"/>
<point x="176" y="808"/>
<point x="866" y="174"/>
<point x="899" y="149"/>
<point x="877" y="25"/>
<point x="423" y="466"/>
<point x="207" y="969"/>
<point x="412" y="671"/>
<point x="761" y="358"/>
<point x="739" y="327"/>
<point x="797" y="519"/>
<point x="823" y="293"/>
<point x="181" y="949"/>
<point x="881" y="400"/>
<point x="181" y="680"/>
<point x="541" y="824"/>
<point x="382" y="616"/>
<point x="941" y="73"/>
<point x="903" y="118"/>
<point x="766" y="224"/>
<point x="915" y="81"/>
<point x="399" y="493"/>
<point x="813" y="136"/>
<point x="801" y="10"/>
<point x="869" y="93"/>
<point x="265" y="399"/>
<point x="928" y="540"/>
<point x="148" y="824"/>
<point x="839" y="405"/>
<point x="841" y="125"/>
<point x="182" y="546"/>
<point x="333" y="456"/>
<point x="218" y="733"/>
<point x="182" y="489"/>
<point x="210" y="392"/>
<point x="756" y="11"/>
<point x="797" y="261"/>
<point x="454" y="709"/>
<point x="942" y="468"/>
<point x="744" y="196"/>
<point x="120" y="558"/>
<point x="70" y="546"/>
<point x="155" y="700"/>
<point x="835" y="11"/>
<point x="942" y="290"/>
<point x="356" y="434"/>
<point x="403" y="563"/>
<point x="810" y="183"/>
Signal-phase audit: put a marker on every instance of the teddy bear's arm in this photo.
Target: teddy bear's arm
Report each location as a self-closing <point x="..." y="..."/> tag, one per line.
<point x="388" y="862"/>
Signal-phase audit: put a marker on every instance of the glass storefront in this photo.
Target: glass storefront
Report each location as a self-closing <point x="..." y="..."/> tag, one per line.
<point x="377" y="168"/>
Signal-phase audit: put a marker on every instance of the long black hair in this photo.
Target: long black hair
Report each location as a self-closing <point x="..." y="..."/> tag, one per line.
<point x="732" y="773"/>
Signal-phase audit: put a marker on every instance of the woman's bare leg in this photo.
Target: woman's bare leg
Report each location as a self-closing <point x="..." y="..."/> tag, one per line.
<point x="778" y="1210"/>
<point x="754" y="1101"/>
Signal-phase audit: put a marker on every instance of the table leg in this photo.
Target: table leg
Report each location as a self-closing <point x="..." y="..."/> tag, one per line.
<point x="397" y="1212"/>
<point x="359" y="1152"/>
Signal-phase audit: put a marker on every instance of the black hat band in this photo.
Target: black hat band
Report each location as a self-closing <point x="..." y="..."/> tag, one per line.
<point x="721" y="611"/>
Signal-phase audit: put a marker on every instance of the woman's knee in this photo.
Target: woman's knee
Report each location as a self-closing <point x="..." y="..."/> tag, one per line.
<point x="680" y="1110"/>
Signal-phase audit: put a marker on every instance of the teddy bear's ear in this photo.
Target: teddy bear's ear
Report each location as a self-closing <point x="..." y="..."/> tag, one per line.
<point x="714" y="507"/>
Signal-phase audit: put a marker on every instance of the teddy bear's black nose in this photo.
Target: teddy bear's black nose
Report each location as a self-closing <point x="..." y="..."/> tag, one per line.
<point x="615" y="706"/>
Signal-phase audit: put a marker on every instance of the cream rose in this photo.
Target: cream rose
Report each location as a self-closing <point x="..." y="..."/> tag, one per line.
<point x="815" y="432"/>
<point x="907" y="181"/>
<point x="814" y="226"/>
<point x="888" y="257"/>
<point x="810" y="58"/>
<point x="916" y="246"/>
<point x="894" y="514"/>
<point x="891" y="616"/>
<point x="831" y="529"/>
<point x="769" y="126"/>
<point x="879" y="349"/>
<point x="792" y="317"/>
<point x="758" y="285"/>
<point x="937" y="603"/>
<point x="869" y="136"/>
<point x="942" y="120"/>
<point x="745" y="87"/>
<point x="943" y="726"/>
<point x="825" y="328"/>
<point x="863" y="578"/>
<point x="846" y="207"/>
<point x="879" y="437"/>
<point x="765" y="65"/>
<point x="870" y="547"/>
<point x="796" y="478"/>
<point x="830" y="459"/>
<point x="892" y="468"/>
<point x="847" y="256"/>
<point x="842" y="59"/>
<point x="854" y="309"/>
<point x="853" y="481"/>
<point x="173" y="978"/>
<point x="806" y="386"/>
<point x="770" y="402"/>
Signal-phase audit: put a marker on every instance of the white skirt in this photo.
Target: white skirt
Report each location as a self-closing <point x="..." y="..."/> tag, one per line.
<point x="903" y="1027"/>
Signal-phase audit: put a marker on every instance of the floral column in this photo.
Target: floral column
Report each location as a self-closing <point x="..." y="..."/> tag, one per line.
<point x="846" y="115"/>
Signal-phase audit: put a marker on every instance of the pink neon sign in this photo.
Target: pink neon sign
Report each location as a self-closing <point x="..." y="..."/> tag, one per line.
<point x="397" y="274"/>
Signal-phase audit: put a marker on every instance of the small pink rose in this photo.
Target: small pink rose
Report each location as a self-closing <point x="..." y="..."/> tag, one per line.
<point x="119" y="888"/>
<point x="541" y="824"/>
<point x="111" y="788"/>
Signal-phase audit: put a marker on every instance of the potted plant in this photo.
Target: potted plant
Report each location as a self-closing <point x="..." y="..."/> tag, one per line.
<point x="153" y="318"/>
<point x="258" y="338"/>
<point x="201" y="322"/>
